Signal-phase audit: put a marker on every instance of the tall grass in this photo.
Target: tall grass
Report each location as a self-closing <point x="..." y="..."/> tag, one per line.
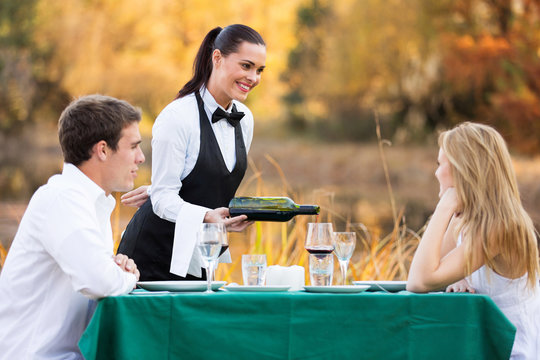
<point x="3" y="254"/>
<point x="378" y="256"/>
<point x="11" y="212"/>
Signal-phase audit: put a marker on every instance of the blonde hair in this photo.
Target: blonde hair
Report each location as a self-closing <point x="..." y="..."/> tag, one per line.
<point x="491" y="209"/>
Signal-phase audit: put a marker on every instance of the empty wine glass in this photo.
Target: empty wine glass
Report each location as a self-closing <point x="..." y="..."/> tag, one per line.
<point x="344" y="243"/>
<point x="210" y="238"/>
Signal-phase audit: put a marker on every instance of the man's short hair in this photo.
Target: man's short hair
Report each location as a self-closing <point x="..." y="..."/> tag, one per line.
<point x="90" y="119"/>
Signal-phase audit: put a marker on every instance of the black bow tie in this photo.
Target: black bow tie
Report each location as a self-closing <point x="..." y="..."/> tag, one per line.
<point x="233" y="118"/>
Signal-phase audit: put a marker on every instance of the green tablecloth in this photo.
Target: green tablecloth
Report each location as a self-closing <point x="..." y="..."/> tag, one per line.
<point x="298" y="325"/>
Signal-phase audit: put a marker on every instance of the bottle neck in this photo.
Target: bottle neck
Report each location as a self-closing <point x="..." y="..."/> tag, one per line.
<point x="307" y="209"/>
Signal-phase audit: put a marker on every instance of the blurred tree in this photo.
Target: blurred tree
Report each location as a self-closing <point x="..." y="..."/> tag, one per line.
<point x="25" y="85"/>
<point x="143" y="51"/>
<point x="355" y="56"/>
<point x="54" y="50"/>
<point x="304" y="61"/>
<point x="422" y="64"/>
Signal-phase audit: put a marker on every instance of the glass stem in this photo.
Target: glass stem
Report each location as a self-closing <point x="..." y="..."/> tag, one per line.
<point x="209" y="277"/>
<point x="343" y="264"/>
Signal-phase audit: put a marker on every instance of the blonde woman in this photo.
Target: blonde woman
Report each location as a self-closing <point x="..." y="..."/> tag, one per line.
<point x="480" y="239"/>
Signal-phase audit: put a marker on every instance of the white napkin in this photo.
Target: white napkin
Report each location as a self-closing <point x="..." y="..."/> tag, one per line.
<point x="286" y="275"/>
<point x="185" y="257"/>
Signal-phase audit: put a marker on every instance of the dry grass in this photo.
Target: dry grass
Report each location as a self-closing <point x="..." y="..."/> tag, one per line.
<point x="3" y="254"/>
<point x="10" y="217"/>
<point x="367" y="188"/>
<point x="377" y="256"/>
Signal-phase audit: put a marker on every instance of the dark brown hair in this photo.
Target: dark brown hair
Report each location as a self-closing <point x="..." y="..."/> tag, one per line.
<point x="90" y="119"/>
<point x="227" y="40"/>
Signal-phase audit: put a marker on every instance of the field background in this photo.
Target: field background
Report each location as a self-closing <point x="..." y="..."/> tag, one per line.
<point x="333" y="69"/>
<point x="346" y="179"/>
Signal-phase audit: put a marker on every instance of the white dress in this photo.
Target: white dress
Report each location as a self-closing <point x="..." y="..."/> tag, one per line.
<point x="520" y="305"/>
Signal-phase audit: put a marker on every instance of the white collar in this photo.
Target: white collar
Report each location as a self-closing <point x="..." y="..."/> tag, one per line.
<point x="93" y="190"/>
<point x="210" y="102"/>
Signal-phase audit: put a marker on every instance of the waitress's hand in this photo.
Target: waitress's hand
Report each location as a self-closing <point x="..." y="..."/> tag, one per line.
<point x="237" y="223"/>
<point x="135" y="197"/>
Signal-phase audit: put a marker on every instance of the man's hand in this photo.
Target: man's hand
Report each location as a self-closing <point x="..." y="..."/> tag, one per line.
<point x="127" y="264"/>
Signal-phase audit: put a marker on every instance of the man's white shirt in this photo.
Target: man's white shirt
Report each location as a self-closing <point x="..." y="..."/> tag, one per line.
<point x="60" y="259"/>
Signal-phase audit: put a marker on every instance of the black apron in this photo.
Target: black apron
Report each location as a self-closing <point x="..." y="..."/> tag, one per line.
<point x="148" y="239"/>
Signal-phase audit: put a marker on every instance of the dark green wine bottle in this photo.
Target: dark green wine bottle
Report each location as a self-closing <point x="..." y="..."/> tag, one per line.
<point x="269" y="208"/>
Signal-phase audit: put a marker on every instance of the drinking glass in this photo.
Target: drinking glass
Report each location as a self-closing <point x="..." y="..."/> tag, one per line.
<point x="321" y="269"/>
<point x="254" y="269"/>
<point x="210" y="238"/>
<point x="319" y="239"/>
<point x="344" y="243"/>
<point x="319" y="244"/>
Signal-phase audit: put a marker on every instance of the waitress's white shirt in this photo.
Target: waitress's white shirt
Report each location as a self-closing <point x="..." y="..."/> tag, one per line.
<point x="60" y="259"/>
<point x="175" y="149"/>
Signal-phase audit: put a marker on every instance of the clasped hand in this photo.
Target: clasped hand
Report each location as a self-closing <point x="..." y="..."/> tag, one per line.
<point x="127" y="264"/>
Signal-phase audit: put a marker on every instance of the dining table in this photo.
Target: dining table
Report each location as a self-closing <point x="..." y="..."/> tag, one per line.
<point x="297" y="325"/>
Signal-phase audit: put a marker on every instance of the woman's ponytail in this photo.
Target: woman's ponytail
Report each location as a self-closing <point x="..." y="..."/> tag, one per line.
<point x="202" y="66"/>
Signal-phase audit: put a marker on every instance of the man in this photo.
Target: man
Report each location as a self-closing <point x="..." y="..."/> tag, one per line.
<point x="62" y="255"/>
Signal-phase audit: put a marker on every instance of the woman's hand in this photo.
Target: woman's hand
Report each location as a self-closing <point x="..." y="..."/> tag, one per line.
<point x="449" y="200"/>
<point x="429" y="271"/>
<point x="135" y="197"/>
<point x="237" y="223"/>
<point x="460" y="286"/>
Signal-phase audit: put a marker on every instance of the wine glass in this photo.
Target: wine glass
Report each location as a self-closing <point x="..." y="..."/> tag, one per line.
<point x="319" y="239"/>
<point x="344" y="243"/>
<point x="319" y="244"/>
<point x="210" y="239"/>
<point x="224" y="247"/>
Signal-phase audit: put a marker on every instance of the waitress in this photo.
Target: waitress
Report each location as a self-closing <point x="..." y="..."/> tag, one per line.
<point x="199" y="157"/>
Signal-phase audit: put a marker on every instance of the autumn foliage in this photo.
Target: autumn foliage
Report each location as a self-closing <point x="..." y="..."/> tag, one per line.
<point x="498" y="67"/>
<point x="422" y="65"/>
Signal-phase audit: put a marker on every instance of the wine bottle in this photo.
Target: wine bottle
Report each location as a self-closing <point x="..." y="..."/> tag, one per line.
<point x="269" y="208"/>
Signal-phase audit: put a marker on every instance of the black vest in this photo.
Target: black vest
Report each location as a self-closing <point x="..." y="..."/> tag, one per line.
<point x="148" y="239"/>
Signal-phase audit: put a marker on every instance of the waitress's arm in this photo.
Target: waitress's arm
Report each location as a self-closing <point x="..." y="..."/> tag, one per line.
<point x="172" y="132"/>
<point x="168" y="160"/>
<point x="171" y="135"/>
